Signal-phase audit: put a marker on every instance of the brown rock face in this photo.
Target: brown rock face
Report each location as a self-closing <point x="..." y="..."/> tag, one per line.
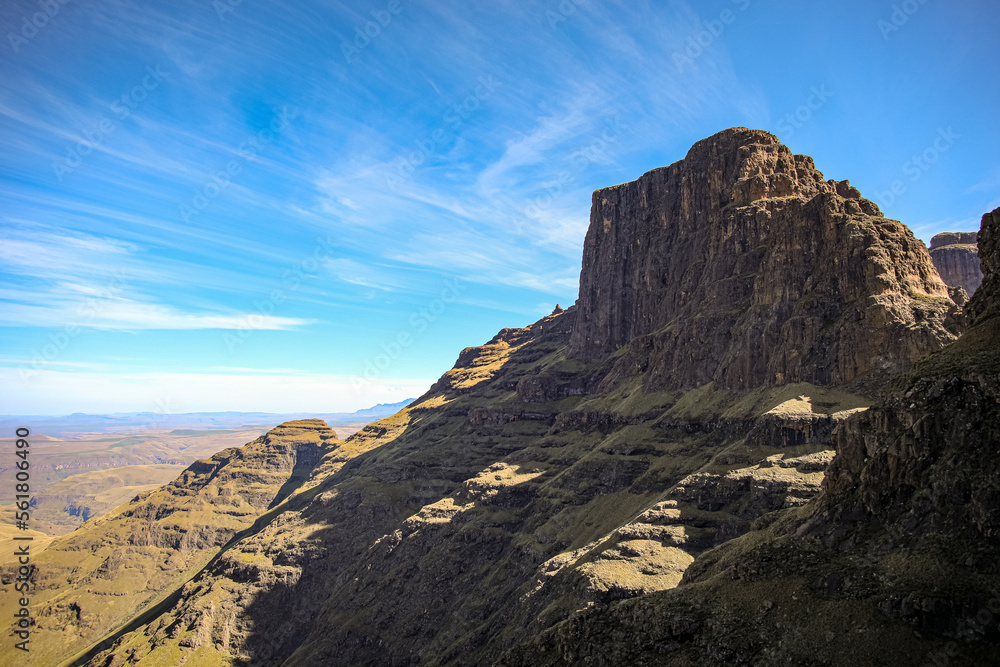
<point x="741" y="265"/>
<point x="948" y="406"/>
<point x="953" y="238"/>
<point x="986" y="303"/>
<point x="956" y="259"/>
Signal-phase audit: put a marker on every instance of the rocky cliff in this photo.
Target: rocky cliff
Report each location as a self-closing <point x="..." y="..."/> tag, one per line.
<point x="896" y="562"/>
<point x="983" y="306"/>
<point x="956" y="258"/>
<point x="741" y="265"/>
<point x="592" y="460"/>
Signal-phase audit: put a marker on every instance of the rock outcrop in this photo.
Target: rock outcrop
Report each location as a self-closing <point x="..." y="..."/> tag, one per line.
<point x="984" y="304"/>
<point x="741" y="265"/>
<point x="956" y="258"/>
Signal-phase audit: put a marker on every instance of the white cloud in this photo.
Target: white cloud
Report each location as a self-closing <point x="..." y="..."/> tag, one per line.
<point x="72" y="278"/>
<point x="116" y="313"/>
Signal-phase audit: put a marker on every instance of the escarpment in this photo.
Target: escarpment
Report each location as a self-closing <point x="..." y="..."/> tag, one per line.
<point x="956" y="258"/>
<point x="555" y="487"/>
<point x="741" y="265"/>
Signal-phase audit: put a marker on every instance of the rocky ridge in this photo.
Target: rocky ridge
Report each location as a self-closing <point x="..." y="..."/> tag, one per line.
<point x="956" y="258"/>
<point x="94" y="579"/>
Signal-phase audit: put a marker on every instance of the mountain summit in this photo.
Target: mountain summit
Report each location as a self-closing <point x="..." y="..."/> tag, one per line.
<point x="741" y="265"/>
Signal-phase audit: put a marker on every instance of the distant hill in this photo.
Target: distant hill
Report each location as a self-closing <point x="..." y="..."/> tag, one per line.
<point x="98" y="462"/>
<point x="128" y="422"/>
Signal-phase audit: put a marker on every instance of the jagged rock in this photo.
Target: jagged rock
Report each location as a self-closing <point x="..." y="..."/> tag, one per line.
<point x="947" y="406"/>
<point x="956" y="258"/>
<point x="741" y="265"/>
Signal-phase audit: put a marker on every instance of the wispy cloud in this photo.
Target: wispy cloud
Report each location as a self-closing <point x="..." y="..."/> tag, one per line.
<point x="78" y="279"/>
<point x="117" y="313"/>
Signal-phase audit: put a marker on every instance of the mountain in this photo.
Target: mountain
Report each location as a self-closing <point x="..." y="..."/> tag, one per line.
<point x="738" y="317"/>
<point x="740" y="265"/>
<point x="897" y="562"/>
<point x="956" y="258"/>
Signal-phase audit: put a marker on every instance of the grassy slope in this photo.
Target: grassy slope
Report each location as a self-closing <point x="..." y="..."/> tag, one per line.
<point x="473" y="505"/>
<point x="824" y="584"/>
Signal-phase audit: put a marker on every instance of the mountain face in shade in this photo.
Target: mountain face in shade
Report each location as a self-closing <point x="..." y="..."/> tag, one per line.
<point x="956" y="258"/>
<point x="544" y="500"/>
<point x="741" y="265"/>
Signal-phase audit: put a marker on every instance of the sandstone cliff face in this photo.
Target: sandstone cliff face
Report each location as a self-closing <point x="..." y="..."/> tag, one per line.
<point x="741" y="265"/>
<point x="947" y="411"/>
<point x="956" y="258"/>
<point x="897" y="562"/>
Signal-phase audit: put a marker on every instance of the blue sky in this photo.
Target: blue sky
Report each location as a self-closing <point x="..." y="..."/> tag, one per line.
<point x="249" y="205"/>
